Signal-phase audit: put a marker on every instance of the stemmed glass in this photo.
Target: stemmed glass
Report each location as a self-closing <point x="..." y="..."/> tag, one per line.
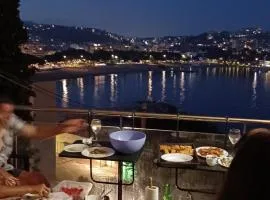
<point x="234" y="135"/>
<point x="96" y="127"/>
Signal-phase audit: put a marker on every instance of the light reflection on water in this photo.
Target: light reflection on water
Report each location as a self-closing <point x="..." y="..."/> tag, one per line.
<point x="80" y="85"/>
<point x="163" y="84"/>
<point x="98" y="87"/>
<point x="236" y="92"/>
<point x="64" y="93"/>
<point x="254" y="93"/>
<point x="113" y="87"/>
<point x="150" y="87"/>
<point x="182" y="87"/>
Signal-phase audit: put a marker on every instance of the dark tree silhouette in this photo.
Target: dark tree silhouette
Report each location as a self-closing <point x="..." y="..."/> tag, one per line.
<point x="13" y="64"/>
<point x="14" y="72"/>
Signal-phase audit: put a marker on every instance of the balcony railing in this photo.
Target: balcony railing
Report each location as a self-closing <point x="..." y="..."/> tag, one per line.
<point x="146" y="115"/>
<point x="202" y="180"/>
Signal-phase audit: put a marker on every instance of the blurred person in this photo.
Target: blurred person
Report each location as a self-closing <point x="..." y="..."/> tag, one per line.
<point x="16" y="182"/>
<point x="248" y="175"/>
<point x="245" y="136"/>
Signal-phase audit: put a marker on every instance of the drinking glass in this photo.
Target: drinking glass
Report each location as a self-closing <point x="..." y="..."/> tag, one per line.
<point x="234" y="135"/>
<point x="96" y="127"/>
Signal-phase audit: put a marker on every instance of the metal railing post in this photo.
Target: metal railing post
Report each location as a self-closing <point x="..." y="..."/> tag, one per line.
<point x="226" y="132"/>
<point x="133" y="120"/>
<point x="121" y="122"/>
<point x="244" y="128"/>
<point x="89" y="118"/>
<point x="177" y="125"/>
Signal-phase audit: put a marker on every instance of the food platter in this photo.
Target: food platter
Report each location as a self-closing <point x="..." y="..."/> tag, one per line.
<point x="176" y="148"/>
<point x="176" y="157"/>
<point x="208" y="150"/>
<point x="225" y="161"/>
<point x="173" y="155"/>
<point x="98" y="152"/>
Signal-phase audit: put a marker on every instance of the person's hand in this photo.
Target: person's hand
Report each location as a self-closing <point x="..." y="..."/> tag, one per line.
<point x="72" y="125"/>
<point x="10" y="180"/>
<point x="41" y="190"/>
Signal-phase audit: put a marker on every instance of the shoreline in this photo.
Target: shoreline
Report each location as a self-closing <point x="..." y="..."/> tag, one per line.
<point x="69" y="73"/>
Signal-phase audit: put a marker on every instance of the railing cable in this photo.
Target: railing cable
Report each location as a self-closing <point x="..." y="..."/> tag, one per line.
<point x="24" y="84"/>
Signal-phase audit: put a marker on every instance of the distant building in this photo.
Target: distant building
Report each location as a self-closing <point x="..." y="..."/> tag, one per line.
<point x="35" y="48"/>
<point x="265" y="63"/>
<point x="76" y="46"/>
<point x="236" y="44"/>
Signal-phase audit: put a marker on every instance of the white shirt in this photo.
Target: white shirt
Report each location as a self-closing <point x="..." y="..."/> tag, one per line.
<point x="8" y="133"/>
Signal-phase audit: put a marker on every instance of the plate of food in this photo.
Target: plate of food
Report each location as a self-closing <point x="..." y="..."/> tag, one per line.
<point x="74" y="189"/>
<point x="225" y="161"/>
<point x="98" y="152"/>
<point x="207" y="150"/>
<point x="176" y="157"/>
<point x="176" y="148"/>
<point x="75" y="148"/>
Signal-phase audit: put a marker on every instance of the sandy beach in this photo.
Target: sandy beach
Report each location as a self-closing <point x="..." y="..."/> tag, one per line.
<point x="67" y="73"/>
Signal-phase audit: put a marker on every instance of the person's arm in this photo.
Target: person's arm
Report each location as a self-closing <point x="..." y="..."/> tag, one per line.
<point x="43" y="131"/>
<point x="8" y="179"/>
<point x="6" y="191"/>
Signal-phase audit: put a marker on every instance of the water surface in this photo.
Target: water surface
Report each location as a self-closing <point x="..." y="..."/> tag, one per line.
<point x="215" y="91"/>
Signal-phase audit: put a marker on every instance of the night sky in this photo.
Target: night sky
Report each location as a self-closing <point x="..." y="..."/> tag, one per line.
<point x="151" y="17"/>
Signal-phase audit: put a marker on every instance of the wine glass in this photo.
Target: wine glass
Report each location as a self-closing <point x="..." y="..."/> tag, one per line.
<point x="234" y="135"/>
<point x="96" y="127"/>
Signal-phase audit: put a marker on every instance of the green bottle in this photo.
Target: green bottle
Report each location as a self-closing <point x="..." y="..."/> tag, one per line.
<point x="167" y="192"/>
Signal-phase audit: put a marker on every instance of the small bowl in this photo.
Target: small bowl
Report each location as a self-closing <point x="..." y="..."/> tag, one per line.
<point x="127" y="141"/>
<point x="211" y="160"/>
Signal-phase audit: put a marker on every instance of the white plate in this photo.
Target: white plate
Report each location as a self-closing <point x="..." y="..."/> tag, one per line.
<point x="176" y="157"/>
<point x="224" y="152"/>
<point x="75" y="148"/>
<point x="225" y="161"/>
<point x="87" y="152"/>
